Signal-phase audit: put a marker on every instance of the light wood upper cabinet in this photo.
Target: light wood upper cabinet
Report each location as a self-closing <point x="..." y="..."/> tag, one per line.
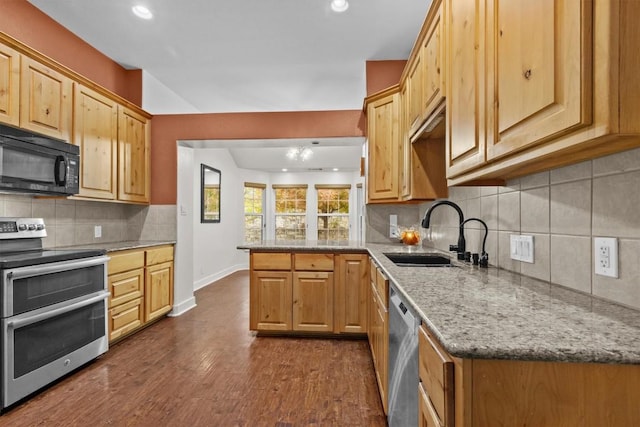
<point x="541" y="85"/>
<point x="433" y="59"/>
<point x="45" y="100"/>
<point x="414" y="82"/>
<point x="560" y="81"/>
<point x="134" y="158"/>
<point x="9" y="86"/>
<point x="383" y="145"/>
<point x="465" y="86"/>
<point x="96" y="132"/>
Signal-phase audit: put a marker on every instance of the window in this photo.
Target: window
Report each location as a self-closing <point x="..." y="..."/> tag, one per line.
<point x="333" y="212"/>
<point x="291" y="211"/>
<point x="253" y="212"/>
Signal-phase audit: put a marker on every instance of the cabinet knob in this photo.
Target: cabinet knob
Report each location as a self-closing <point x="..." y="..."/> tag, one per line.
<point x="527" y="74"/>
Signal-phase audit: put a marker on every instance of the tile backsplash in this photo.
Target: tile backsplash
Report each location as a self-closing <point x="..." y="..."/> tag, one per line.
<point x="564" y="209"/>
<point x="72" y="222"/>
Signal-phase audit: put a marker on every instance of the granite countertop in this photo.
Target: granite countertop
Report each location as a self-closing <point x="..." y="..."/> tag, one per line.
<point x="489" y="313"/>
<point x="120" y="246"/>
<point x="308" y="245"/>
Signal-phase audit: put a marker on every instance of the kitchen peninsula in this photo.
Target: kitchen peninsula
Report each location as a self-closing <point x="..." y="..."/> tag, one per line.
<point x="523" y="351"/>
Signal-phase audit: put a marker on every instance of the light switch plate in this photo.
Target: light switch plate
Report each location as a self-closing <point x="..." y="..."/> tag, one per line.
<point x="522" y="248"/>
<point x="97" y="231"/>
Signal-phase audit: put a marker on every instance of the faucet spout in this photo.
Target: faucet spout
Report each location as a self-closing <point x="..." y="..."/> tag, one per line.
<point x="484" y="257"/>
<point x="426" y="221"/>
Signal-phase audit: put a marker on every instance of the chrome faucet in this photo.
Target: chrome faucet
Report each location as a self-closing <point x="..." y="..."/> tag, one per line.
<point x="484" y="256"/>
<point x="460" y="247"/>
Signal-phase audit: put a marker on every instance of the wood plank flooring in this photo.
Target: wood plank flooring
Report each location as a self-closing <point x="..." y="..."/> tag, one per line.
<point x="205" y="368"/>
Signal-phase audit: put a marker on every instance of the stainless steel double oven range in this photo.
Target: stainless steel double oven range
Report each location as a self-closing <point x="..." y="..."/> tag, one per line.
<point x="53" y="308"/>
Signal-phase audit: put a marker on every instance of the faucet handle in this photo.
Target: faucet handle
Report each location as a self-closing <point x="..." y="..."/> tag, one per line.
<point x="453" y="248"/>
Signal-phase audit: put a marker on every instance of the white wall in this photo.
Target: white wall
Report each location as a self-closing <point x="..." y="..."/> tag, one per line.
<point x="311" y="179"/>
<point x="183" y="298"/>
<point x="207" y="252"/>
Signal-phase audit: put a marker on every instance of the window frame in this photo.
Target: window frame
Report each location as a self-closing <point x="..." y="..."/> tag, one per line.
<point x="302" y="215"/>
<point x="346" y="216"/>
<point x="263" y="187"/>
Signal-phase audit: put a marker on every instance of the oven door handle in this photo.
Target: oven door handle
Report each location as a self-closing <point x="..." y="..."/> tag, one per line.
<point x="55" y="267"/>
<point x="20" y="322"/>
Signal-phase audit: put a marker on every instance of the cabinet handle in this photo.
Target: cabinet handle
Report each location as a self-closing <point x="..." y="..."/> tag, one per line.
<point x="527" y="74"/>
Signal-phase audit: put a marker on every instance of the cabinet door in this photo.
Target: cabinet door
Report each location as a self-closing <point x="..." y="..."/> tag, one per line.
<point x="381" y="343"/>
<point x="404" y="174"/>
<point x="270" y="299"/>
<point x="9" y="86"/>
<point x="133" y="156"/>
<point x="384" y="147"/>
<point x="96" y="133"/>
<point x="540" y="79"/>
<point x="433" y="59"/>
<point x="352" y="293"/>
<point x="313" y="301"/>
<point x="426" y="414"/>
<point x="45" y="100"/>
<point x="158" y="292"/>
<point x="465" y="86"/>
<point x="414" y="91"/>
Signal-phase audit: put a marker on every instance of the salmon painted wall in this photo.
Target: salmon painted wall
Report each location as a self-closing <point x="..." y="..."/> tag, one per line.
<point x="27" y="24"/>
<point x="383" y="74"/>
<point x="166" y="130"/>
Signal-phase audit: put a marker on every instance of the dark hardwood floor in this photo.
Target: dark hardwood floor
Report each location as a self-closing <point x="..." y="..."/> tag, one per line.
<point x="205" y="368"/>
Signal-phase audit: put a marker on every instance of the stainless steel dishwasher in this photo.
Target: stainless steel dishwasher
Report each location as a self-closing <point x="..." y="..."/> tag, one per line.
<point x="403" y="363"/>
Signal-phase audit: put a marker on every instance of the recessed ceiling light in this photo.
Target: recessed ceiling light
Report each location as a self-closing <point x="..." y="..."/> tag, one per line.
<point x="142" y="12"/>
<point x="336" y="169"/>
<point x="339" y="5"/>
<point x="284" y="169"/>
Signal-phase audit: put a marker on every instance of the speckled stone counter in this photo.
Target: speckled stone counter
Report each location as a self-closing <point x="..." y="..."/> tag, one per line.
<point x="493" y="314"/>
<point x="307" y="246"/>
<point x="121" y="246"/>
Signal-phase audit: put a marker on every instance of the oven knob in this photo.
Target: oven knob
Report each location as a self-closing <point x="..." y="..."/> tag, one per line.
<point x="22" y="227"/>
<point x="39" y="226"/>
<point x="32" y="227"/>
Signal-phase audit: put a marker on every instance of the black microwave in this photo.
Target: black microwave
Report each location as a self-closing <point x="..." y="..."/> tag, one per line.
<point x="32" y="163"/>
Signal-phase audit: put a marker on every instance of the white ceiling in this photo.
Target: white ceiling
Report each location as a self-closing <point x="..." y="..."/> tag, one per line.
<point x="247" y="55"/>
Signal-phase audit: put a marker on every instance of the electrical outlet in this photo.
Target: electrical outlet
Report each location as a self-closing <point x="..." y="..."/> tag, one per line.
<point x="393" y="226"/>
<point x="97" y="231"/>
<point x="606" y="256"/>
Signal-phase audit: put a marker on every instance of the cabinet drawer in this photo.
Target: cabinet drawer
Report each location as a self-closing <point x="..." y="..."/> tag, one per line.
<point x="271" y="261"/>
<point x="125" y="318"/>
<point x="436" y="373"/>
<point x="382" y="286"/>
<point x="159" y="255"/>
<point x="313" y="262"/>
<point x="125" y="261"/>
<point x="125" y="286"/>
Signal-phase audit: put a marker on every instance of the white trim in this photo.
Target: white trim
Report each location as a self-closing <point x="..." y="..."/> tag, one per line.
<point x="183" y="307"/>
<point x="205" y="281"/>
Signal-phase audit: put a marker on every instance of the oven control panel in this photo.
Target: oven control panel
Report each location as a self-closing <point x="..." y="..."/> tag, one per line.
<point x="22" y="228"/>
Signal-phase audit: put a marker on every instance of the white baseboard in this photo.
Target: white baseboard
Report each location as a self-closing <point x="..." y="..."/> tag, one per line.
<point x="183" y="307"/>
<point x="199" y="284"/>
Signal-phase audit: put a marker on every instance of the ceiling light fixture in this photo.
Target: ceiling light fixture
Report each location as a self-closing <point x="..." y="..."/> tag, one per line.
<point x="300" y="153"/>
<point x="284" y="169"/>
<point x="142" y="12"/>
<point x="339" y="5"/>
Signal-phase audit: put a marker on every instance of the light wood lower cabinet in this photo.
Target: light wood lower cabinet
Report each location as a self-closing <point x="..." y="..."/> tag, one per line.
<point x="319" y="292"/>
<point x="379" y="330"/>
<point x="141" y="286"/>
<point x="487" y="393"/>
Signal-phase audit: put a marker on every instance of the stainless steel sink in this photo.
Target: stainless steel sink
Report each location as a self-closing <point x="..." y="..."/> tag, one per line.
<point x="424" y="259"/>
